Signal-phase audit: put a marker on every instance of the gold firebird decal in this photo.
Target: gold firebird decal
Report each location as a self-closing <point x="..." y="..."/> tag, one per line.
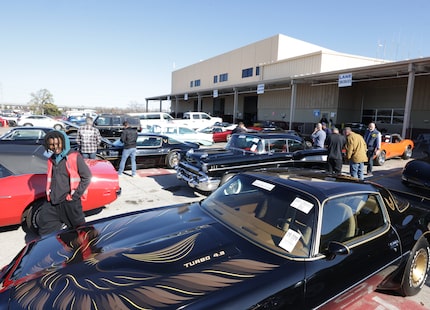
<point x="170" y="254"/>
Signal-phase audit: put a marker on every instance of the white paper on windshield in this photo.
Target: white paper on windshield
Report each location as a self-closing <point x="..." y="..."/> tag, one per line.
<point x="289" y="240"/>
<point x="253" y="147"/>
<point x="263" y="185"/>
<point x="302" y="205"/>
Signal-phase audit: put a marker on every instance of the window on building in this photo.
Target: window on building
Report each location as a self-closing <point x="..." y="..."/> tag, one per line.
<point x="197" y="83"/>
<point x="191" y="83"/>
<point x="223" y="77"/>
<point x="257" y="70"/>
<point x="247" y="72"/>
<point x="385" y="116"/>
<point x="215" y="79"/>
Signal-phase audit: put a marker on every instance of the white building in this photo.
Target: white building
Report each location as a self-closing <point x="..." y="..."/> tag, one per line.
<point x="285" y="79"/>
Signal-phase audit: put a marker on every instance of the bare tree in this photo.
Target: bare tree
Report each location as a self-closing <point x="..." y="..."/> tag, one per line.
<point x="40" y="99"/>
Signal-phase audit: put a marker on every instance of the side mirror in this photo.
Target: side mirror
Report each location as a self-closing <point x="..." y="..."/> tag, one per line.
<point x="336" y="248"/>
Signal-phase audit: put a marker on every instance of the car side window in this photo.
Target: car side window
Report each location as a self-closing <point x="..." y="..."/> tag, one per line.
<point x="277" y="145"/>
<point x="345" y="218"/>
<point x="294" y="145"/>
<point x="116" y="121"/>
<point x="369" y="215"/>
<point x="149" y="141"/>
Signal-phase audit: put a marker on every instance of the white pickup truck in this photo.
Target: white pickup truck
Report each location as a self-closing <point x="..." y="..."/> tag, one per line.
<point x="197" y="120"/>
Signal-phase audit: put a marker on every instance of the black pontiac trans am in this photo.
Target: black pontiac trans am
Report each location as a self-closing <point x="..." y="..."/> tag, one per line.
<point x="262" y="240"/>
<point x="152" y="150"/>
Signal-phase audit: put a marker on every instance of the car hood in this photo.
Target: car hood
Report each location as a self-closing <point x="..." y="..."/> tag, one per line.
<point x="148" y="257"/>
<point x="214" y="154"/>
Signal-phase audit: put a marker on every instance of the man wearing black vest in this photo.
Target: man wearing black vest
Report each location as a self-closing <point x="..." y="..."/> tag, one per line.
<point x="373" y="142"/>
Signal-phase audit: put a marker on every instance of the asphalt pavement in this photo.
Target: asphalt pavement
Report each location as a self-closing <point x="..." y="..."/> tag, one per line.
<point x="159" y="187"/>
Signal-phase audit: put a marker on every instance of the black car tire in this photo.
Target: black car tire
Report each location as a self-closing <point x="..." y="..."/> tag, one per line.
<point x="380" y="159"/>
<point x="29" y="217"/>
<point x="417" y="267"/>
<point x="28" y="124"/>
<point x="408" y="152"/>
<point x="172" y="159"/>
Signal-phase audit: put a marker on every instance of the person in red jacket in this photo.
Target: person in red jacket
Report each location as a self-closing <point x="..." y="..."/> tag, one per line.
<point x="68" y="178"/>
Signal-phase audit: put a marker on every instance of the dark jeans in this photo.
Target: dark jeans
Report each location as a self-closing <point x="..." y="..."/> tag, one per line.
<point x="52" y="217"/>
<point x="370" y="154"/>
<point x="334" y="165"/>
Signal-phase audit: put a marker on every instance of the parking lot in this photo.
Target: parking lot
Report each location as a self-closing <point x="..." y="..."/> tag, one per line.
<point x="159" y="187"/>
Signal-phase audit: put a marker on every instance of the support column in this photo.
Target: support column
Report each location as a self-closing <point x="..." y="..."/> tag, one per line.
<point x="176" y="106"/>
<point x="293" y="103"/>
<point x="199" y="102"/>
<point x="147" y="103"/>
<point x="161" y="105"/>
<point x="409" y="97"/>
<point x="235" y="104"/>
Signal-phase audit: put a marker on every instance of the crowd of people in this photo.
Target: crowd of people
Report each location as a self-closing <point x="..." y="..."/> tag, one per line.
<point x="358" y="149"/>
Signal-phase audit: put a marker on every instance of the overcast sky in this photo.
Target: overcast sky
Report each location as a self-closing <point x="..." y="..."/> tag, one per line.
<point x="94" y="53"/>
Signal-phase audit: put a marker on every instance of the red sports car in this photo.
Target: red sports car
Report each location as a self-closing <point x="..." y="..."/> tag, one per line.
<point x="23" y="181"/>
<point x="219" y="133"/>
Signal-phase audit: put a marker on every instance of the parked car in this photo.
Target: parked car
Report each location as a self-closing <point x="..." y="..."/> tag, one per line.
<point x="148" y="119"/>
<point x="182" y="133"/>
<point x="153" y="150"/>
<point x="3" y="122"/>
<point x="41" y="121"/>
<point x="355" y="127"/>
<point x="197" y="120"/>
<point x="23" y="181"/>
<point x="219" y="133"/>
<point x="266" y="126"/>
<point x="36" y="135"/>
<point x="77" y="120"/>
<point x="25" y="135"/>
<point x="204" y="169"/>
<point x="10" y="117"/>
<point x="111" y="125"/>
<point x="393" y="145"/>
<point x="261" y="241"/>
<point x="417" y="172"/>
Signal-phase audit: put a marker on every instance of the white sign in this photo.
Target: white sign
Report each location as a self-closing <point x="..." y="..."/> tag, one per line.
<point x="302" y="205"/>
<point x="345" y="80"/>
<point x="185" y="96"/>
<point x="215" y="93"/>
<point x="260" y="89"/>
<point x="289" y="240"/>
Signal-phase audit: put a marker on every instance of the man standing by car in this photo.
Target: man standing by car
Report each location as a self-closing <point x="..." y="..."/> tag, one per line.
<point x="318" y="136"/>
<point x="129" y="138"/>
<point x="373" y="142"/>
<point x="240" y="128"/>
<point x="68" y="178"/>
<point x="355" y="153"/>
<point x="88" y="138"/>
<point x="335" y="143"/>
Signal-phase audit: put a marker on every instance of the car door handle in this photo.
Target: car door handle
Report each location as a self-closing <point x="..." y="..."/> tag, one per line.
<point x="394" y="244"/>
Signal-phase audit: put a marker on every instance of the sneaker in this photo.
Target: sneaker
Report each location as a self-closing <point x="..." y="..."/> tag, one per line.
<point x="369" y="174"/>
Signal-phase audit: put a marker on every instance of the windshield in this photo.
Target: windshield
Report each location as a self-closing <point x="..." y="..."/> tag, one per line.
<point x="245" y="142"/>
<point x="278" y="218"/>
